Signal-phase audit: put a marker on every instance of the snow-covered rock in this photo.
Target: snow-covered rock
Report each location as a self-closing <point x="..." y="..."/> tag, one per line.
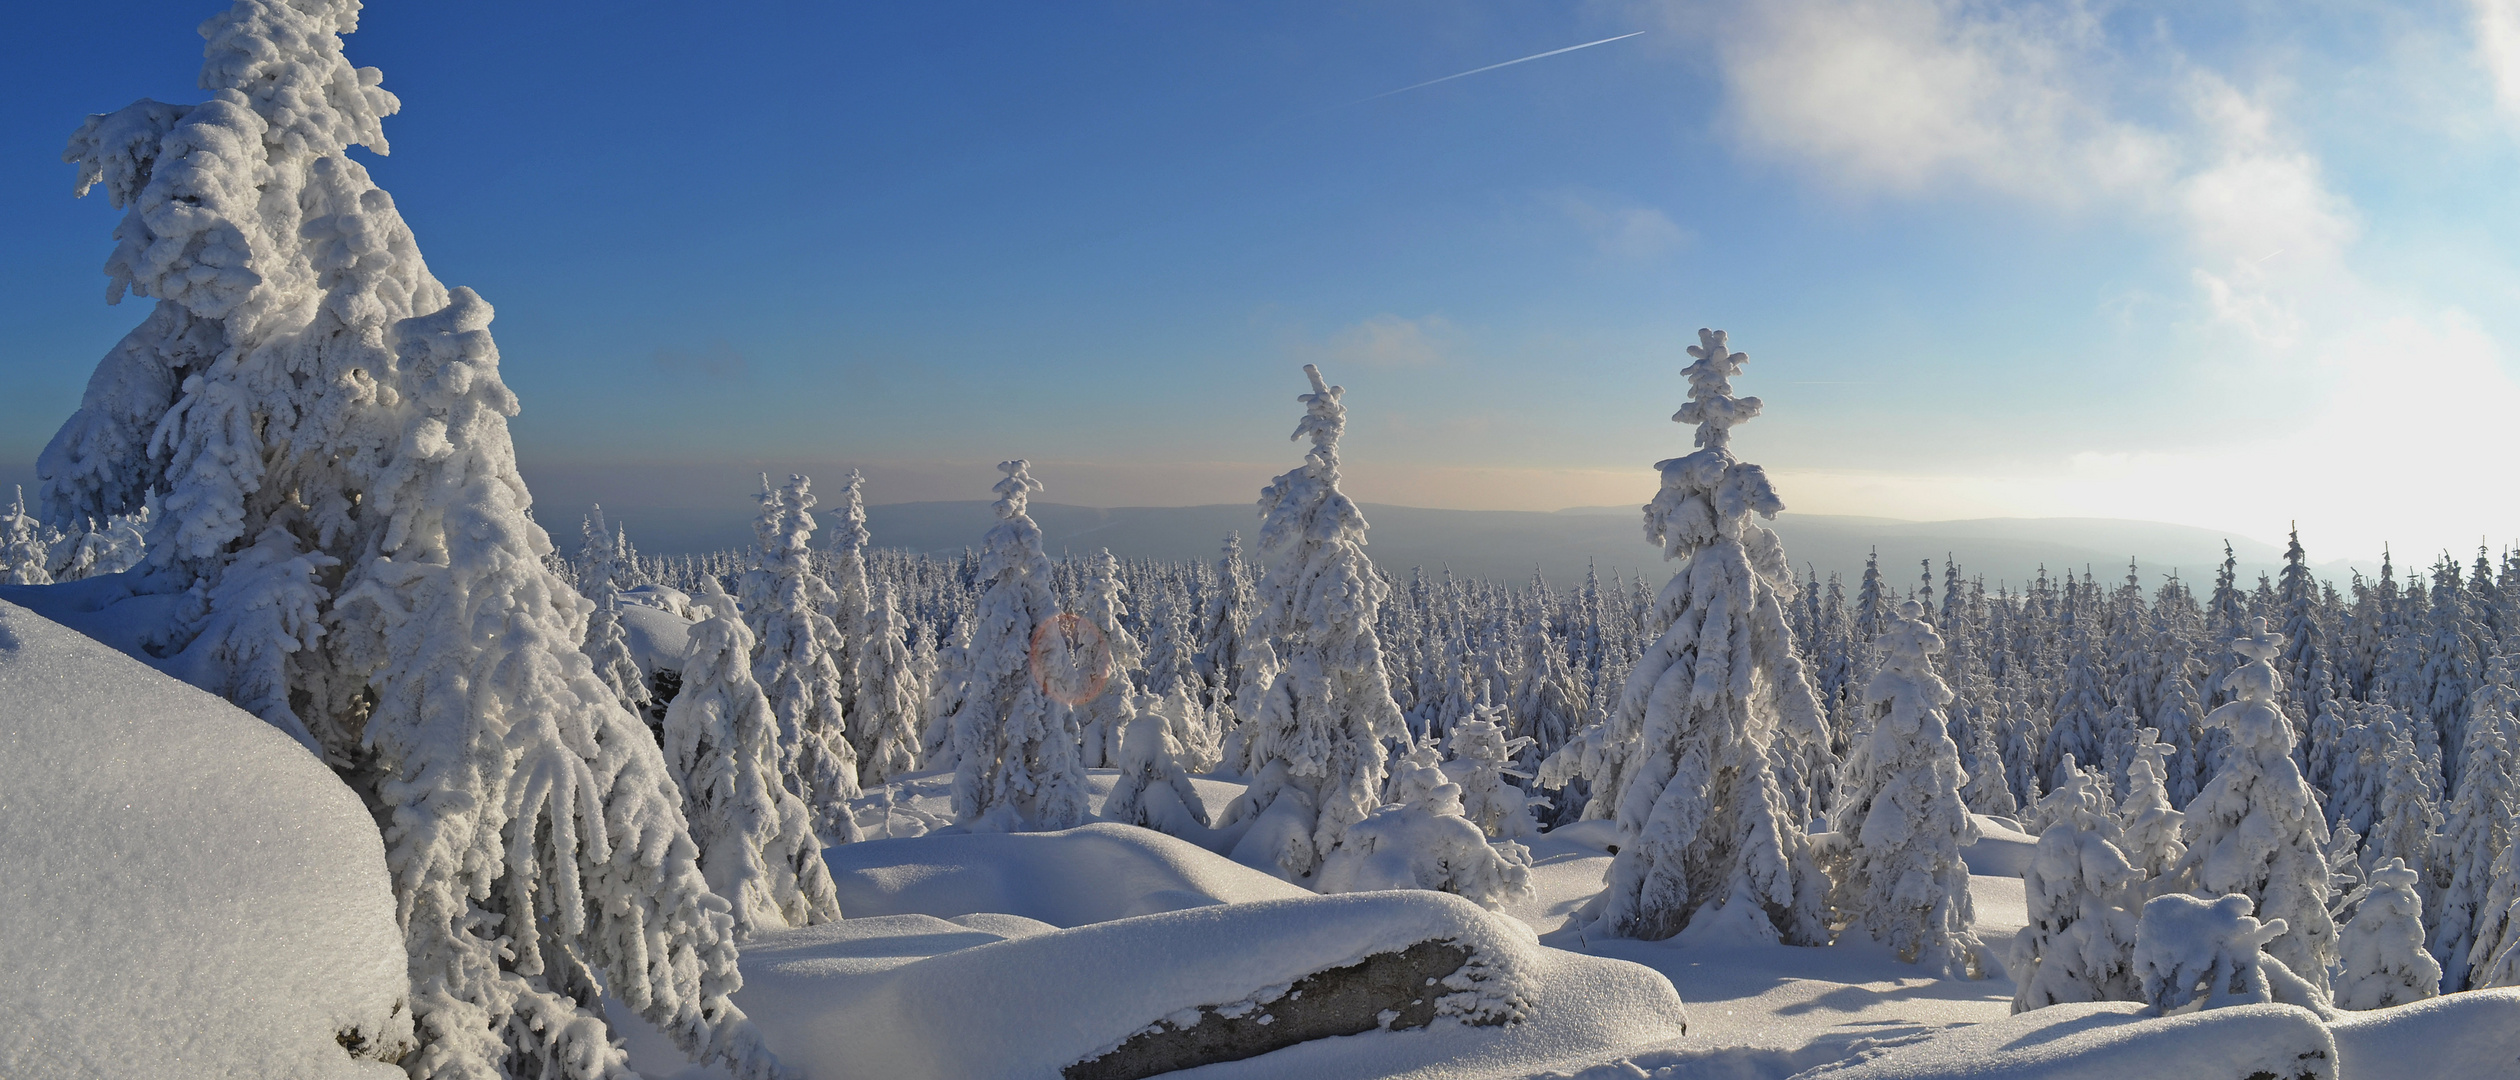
<point x="184" y="890"/>
<point x="1095" y="873"/>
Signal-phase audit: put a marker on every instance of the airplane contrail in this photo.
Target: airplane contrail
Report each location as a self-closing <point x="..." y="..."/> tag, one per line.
<point x="1492" y="67"/>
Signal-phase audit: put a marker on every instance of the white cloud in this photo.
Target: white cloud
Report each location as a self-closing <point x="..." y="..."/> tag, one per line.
<point x="1621" y="229"/>
<point x="2498" y="49"/>
<point x="1391" y="341"/>
<point x="2390" y="401"/>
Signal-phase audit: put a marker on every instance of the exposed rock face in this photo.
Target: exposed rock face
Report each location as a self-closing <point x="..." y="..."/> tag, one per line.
<point x="1395" y="990"/>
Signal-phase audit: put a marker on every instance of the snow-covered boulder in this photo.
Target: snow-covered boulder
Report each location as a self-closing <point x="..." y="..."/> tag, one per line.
<point x="1090" y="874"/>
<point x="984" y="996"/>
<point x="184" y="890"/>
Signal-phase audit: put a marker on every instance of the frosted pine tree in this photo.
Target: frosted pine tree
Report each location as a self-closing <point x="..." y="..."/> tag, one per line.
<point x="1315" y="738"/>
<point x="798" y="664"/>
<point x="756" y="838"/>
<point x="2256" y="829"/>
<point x="1102" y="719"/>
<point x="1015" y="746"/>
<point x="1481" y="762"/>
<point x="25" y="559"/>
<point x="1709" y="833"/>
<point x="1899" y="818"/>
<point x="2083" y="896"/>
<point x="2480" y="821"/>
<point x="2381" y="952"/>
<point x="2150" y="828"/>
<point x="1422" y="840"/>
<point x="851" y="602"/>
<point x="2212" y="953"/>
<point x="1153" y="788"/>
<point x="607" y="646"/>
<point x="1225" y="659"/>
<point x="347" y="550"/>
<point x="892" y="694"/>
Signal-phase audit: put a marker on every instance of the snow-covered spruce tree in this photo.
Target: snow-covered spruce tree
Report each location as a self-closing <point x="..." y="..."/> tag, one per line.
<point x="1015" y="746"/>
<point x="851" y="601"/>
<point x="1315" y="739"/>
<point x="1101" y="720"/>
<point x="2409" y="820"/>
<point x="2479" y="823"/>
<point x="1223" y="626"/>
<point x="346" y="544"/>
<point x="2208" y="952"/>
<point x="756" y="837"/>
<point x="2256" y="829"/>
<point x="892" y="697"/>
<point x="1421" y="840"/>
<point x="1895" y="862"/>
<point x="2083" y="896"/>
<point x="798" y="665"/>
<point x="1481" y="760"/>
<point x="607" y="646"/>
<point x="1710" y="836"/>
<point x="1154" y="789"/>
<point x="25" y="559"/>
<point x="2381" y="952"/>
<point x="1548" y="703"/>
<point x="2149" y="827"/>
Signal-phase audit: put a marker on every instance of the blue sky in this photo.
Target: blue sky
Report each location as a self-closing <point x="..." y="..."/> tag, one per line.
<point x="2230" y="267"/>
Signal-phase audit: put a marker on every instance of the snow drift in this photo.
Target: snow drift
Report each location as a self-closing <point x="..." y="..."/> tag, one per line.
<point x="184" y="890"/>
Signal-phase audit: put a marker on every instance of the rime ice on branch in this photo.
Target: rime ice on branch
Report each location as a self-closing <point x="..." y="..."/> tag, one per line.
<point x="1690" y="753"/>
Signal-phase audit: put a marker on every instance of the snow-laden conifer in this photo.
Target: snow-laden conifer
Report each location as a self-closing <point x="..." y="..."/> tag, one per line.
<point x="25" y="559"/>
<point x="2149" y="827"/>
<point x="1225" y="658"/>
<point x="1480" y="762"/>
<point x="1315" y="739"/>
<point x="1421" y="840"/>
<point x="607" y="646"/>
<point x="1153" y="788"/>
<point x="1900" y="822"/>
<point x="1015" y="746"/>
<point x="1102" y="718"/>
<point x="852" y="602"/>
<point x="2083" y="897"/>
<point x="2479" y="823"/>
<point x="1709" y="833"/>
<point x="797" y="662"/>
<point x="2208" y="953"/>
<point x="892" y="696"/>
<point x="756" y="837"/>
<point x="2255" y="829"/>
<point x="2381" y="952"/>
<point x="346" y="545"/>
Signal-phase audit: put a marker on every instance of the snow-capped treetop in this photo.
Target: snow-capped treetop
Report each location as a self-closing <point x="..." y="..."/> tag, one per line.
<point x="1712" y="406"/>
<point x="2251" y="716"/>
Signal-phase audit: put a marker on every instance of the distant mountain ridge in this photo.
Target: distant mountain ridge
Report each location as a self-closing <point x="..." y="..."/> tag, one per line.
<point x="1509" y="545"/>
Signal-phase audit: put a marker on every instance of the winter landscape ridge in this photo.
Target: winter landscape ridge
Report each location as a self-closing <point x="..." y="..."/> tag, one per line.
<point x="328" y="750"/>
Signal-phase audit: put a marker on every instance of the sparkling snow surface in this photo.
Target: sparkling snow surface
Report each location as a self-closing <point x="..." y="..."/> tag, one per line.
<point x="184" y="890"/>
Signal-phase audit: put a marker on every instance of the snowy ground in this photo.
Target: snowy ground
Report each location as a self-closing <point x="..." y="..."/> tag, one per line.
<point x="1752" y="1011"/>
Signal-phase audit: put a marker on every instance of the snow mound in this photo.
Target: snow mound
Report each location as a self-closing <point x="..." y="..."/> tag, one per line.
<point x="187" y="891"/>
<point x="908" y="996"/>
<point x="2112" y="1041"/>
<point x="2000" y="850"/>
<point x="1090" y="874"/>
<point x="2476" y="1033"/>
<point x="659" y="638"/>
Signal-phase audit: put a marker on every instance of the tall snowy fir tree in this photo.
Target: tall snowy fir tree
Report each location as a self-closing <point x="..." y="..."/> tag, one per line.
<point x="607" y="646"/>
<point x="1015" y="746"/>
<point x="1900" y="821"/>
<point x="2479" y="826"/>
<point x="757" y="842"/>
<point x="1315" y="739"/>
<point x="797" y="662"/>
<point x="2082" y="895"/>
<point x="1709" y="834"/>
<point x="892" y="693"/>
<point x="1103" y="719"/>
<point x="347" y="551"/>
<point x="851" y="602"/>
<point x="2255" y="829"/>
